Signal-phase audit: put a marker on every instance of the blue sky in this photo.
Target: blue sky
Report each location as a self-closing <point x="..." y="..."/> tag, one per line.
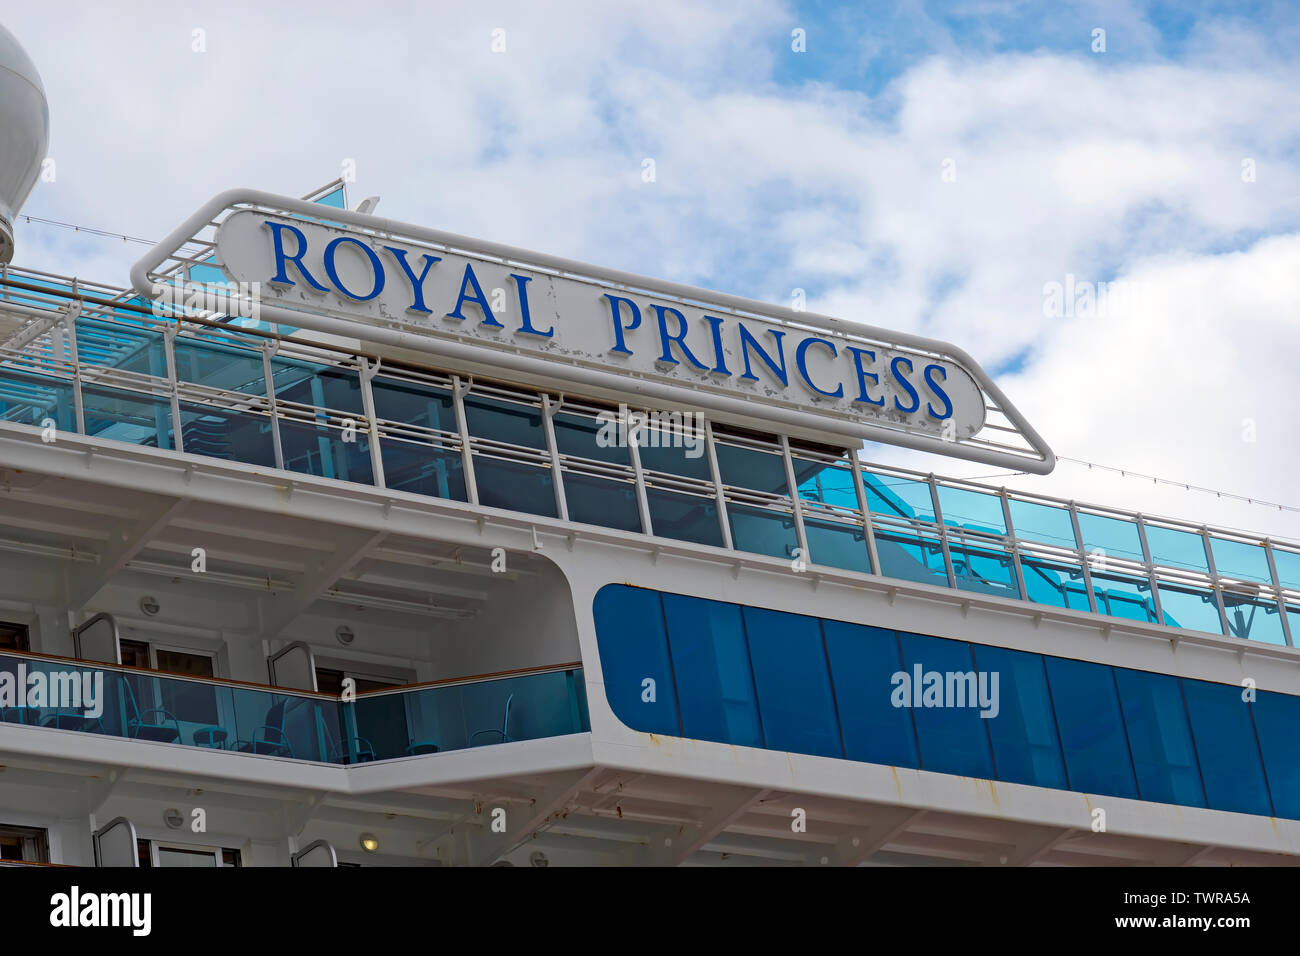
<point x="776" y="171"/>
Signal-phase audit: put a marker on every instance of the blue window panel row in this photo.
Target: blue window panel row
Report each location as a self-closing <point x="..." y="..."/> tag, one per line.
<point x="761" y="678"/>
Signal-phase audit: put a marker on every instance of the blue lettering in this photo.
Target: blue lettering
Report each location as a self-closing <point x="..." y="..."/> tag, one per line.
<point x="478" y="298"/>
<point x="417" y="283"/>
<point x="747" y="341"/>
<point x="616" y="303"/>
<point x="907" y="386"/>
<point x="679" y="338"/>
<point x="863" y="398"/>
<point x="521" y="282"/>
<point x="715" y="325"/>
<point x="332" y="250"/>
<point x="281" y="276"/>
<point x="800" y="361"/>
<point x="938" y="392"/>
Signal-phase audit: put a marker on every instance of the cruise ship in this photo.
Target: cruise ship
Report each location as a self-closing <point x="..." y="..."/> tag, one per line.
<point x="332" y="540"/>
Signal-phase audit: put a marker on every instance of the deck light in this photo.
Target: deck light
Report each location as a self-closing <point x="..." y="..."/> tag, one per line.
<point x="369" y="842"/>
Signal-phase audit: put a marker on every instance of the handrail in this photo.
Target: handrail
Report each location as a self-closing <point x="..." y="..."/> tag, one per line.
<point x="288" y="691"/>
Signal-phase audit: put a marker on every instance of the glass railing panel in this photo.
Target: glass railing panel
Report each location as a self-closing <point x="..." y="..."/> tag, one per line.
<point x="1174" y="548"/>
<point x="134" y="417"/>
<point x="423" y="469"/>
<point x="896" y="496"/>
<point x="229" y="434"/>
<point x="586" y="436"/>
<point x="317" y="385"/>
<point x="1194" y="608"/>
<point x="1253" y="618"/>
<point x="515" y="485"/>
<point x="1119" y="595"/>
<point x="837" y="544"/>
<point x="142" y="706"/>
<point x="985" y="570"/>
<point x="668" y="452"/>
<point x="1240" y="559"/>
<point x="1045" y="524"/>
<point x="219" y="365"/>
<point x="1112" y="537"/>
<point x="973" y="510"/>
<point x="601" y="499"/>
<point x="1054" y="582"/>
<point x="472" y="714"/>
<point x="758" y="530"/>
<point x="1288" y="568"/>
<point x="29" y="399"/>
<point x="752" y="468"/>
<point x="910" y="553"/>
<point x="328" y="451"/>
<point x="685" y="517"/>
<point x="825" y="483"/>
<point x="512" y="423"/>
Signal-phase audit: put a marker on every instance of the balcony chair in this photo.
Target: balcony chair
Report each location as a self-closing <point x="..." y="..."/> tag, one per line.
<point x="270" y="738"/>
<point x="150" y="724"/>
<point x="503" y="733"/>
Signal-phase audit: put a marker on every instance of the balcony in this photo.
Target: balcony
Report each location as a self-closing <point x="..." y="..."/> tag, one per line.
<point x="409" y="721"/>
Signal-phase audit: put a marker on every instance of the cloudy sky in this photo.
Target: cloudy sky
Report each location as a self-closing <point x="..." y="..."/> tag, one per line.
<point x="928" y="167"/>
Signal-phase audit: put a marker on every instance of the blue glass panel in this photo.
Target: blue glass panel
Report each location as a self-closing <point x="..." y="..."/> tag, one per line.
<point x="1023" y="728"/>
<point x="1177" y="549"/>
<point x="414" y="403"/>
<point x="952" y="734"/>
<point x="334" y="199"/>
<point x="320" y="450"/>
<point x="749" y="468"/>
<point x="1054" y="583"/>
<point x="825" y="483"/>
<point x="684" y="517"/>
<point x="837" y="545"/>
<point x="1196" y="609"/>
<point x="633" y="649"/>
<point x="220" y="366"/>
<point x="1122" y="596"/>
<point x="125" y="345"/>
<point x="1226" y="747"/>
<point x="1252" y="619"/>
<point x="1043" y="523"/>
<point x="984" y="570"/>
<point x="1112" y="536"/>
<point x="971" y="509"/>
<point x="793" y="683"/>
<point x="715" y="686"/>
<point x="608" y="502"/>
<point x="1237" y="559"/>
<point x="900" y="497"/>
<point x="235" y="436"/>
<point x="514" y="486"/>
<point x="320" y="386"/>
<point x="666" y="452"/>
<point x="423" y="469"/>
<point x="1288" y="568"/>
<point x="863" y="662"/>
<point x="503" y="421"/>
<point x="1091" y="727"/>
<point x="127" y="416"/>
<point x="583" y="436"/>
<point x="910" y="556"/>
<point x="1160" y="738"/>
<point x="31" y="399"/>
<point x="760" y="531"/>
<point x="1276" y="718"/>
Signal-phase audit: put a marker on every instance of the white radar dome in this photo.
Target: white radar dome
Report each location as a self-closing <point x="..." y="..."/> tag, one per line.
<point x="24" y="134"/>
